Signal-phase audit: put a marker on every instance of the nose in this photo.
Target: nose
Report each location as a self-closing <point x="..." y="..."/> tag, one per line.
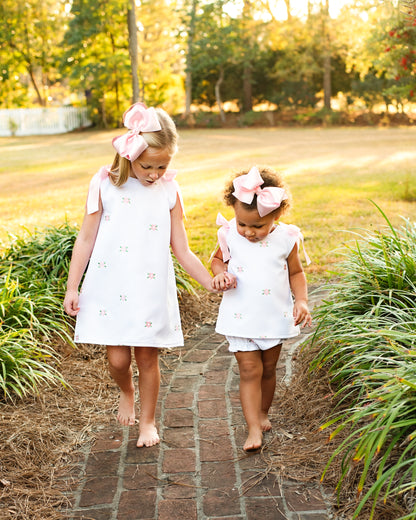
<point x="250" y="233"/>
<point x="154" y="175"/>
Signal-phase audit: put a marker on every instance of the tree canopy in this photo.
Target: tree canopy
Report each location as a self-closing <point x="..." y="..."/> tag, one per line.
<point x="240" y="51"/>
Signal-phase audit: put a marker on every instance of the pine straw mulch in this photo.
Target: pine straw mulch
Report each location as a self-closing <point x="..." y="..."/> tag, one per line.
<point x="42" y="437"/>
<point x="299" y="450"/>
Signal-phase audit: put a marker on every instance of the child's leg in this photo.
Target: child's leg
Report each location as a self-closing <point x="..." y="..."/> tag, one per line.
<point x="251" y="371"/>
<point x="270" y="358"/>
<point x="119" y="361"/>
<point x="147" y="359"/>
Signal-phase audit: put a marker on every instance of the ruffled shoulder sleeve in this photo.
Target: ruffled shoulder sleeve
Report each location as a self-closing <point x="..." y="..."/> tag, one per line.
<point x="173" y="189"/>
<point x="93" y="197"/>
<point x="295" y="236"/>
<point x="222" y="236"/>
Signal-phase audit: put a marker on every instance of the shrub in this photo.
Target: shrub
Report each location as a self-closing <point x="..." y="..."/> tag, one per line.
<point x="367" y="337"/>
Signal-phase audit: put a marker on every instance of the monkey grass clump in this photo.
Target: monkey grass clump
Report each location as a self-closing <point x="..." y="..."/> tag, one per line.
<point x="366" y="334"/>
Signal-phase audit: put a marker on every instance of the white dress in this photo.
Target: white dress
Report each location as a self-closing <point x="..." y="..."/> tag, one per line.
<point x="261" y="306"/>
<point x="129" y="296"/>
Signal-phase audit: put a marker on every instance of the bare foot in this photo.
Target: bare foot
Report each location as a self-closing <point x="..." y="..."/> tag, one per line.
<point x="253" y="441"/>
<point x="148" y="435"/>
<point x="126" y="415"/>
<point x="265" y="423"/>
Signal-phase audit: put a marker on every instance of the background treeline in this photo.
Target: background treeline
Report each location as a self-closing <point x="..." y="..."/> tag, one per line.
<point x="207" y="53"/>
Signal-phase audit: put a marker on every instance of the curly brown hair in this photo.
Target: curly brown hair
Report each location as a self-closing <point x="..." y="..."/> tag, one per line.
<point x="271" y="178"/>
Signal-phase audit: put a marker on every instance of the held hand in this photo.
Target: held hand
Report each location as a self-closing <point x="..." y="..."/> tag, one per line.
<point x="71" y="303"/>
<point x="224" y="281"/>
<point x="301" y="314"/>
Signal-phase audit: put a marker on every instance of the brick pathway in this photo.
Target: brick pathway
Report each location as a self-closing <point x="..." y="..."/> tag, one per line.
<point x="199" y="471"/>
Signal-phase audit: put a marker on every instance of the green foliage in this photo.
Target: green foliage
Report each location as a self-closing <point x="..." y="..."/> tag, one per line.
<point x="367" y="337"/>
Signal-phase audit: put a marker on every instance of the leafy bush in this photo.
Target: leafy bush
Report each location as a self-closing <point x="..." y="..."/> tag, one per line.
<point x="367" y="337"/>
<point x="33" y="273"/>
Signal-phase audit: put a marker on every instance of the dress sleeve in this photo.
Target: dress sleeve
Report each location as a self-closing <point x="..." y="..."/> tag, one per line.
<point x="173" y="189"/>
<point x="93" y="197"/>
<point x="295" y="236"/>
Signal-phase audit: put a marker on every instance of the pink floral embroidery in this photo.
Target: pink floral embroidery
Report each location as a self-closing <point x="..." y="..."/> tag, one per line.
<point x="286" y="315"/>
<point x="124" y="249"/>
<point x="151" y="276"/>
<point x="153" y="227"/>
<point x="238" y="316"/>
<point x="103" y="312"/>
<point x="264" y="243"/>
<point x="123" y="297"/>
<point x="102" y="265"/>
<point x="107" y="218"/>
<point x="266" y="292"/>
<point x="148" y="324"/>
<point x="240" y="269"/>
<point x="177" y="327"/>
<point x="125" y="200"/>
<point x="77" y="337"/>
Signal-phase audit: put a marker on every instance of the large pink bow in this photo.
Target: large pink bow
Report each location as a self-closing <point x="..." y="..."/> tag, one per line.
<point x="137" y="119"/>
<point x="94" y="189"/>
<point x="222" y="236"/>
<point x="268" y="199"/>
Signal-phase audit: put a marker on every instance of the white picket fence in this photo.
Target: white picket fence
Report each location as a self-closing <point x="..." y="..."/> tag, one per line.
<point x="42" y="121"/>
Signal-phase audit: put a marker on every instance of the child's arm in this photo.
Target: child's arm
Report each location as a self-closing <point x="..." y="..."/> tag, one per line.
<point x="222" y="280"/>
<point x="297" y="280"/>
<point x="180" y="247"/>
<point x="81" y="253"/>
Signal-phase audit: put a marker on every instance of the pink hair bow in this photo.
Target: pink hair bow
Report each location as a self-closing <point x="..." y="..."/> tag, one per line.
<point x="222" y="236"/>
<point x="268" y="199"/>
<point x="94" y="189"/>
<point x="137" y="119"/>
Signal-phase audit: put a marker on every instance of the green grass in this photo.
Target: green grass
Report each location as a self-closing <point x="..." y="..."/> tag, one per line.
<point x="332" y="174"/>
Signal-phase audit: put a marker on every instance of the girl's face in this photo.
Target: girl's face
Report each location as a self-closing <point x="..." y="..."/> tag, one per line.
<point x="150" y="165"/>
<point x="250" y="225"/>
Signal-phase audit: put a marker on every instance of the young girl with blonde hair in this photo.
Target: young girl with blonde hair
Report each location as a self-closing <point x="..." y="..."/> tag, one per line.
<point x="128" y="299"/>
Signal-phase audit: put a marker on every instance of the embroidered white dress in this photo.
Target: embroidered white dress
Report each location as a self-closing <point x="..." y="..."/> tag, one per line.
<point x="262" y="305"/>
<point x="128" y="296"/>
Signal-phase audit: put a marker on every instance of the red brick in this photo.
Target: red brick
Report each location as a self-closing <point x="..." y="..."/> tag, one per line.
<point x="137" y="504"/>
<point x="180" y="486"/>
<point x="178" y="460"/>
<point x="212" y="409"/>
<point x="179" y="437"/>
<point x="265" y="508"/>
<point x="199" y="356"/>
<point x="178" y="417"/>
<point x="211" y="392"/>
<point x="218" y="475"/>
<point x="179" y="400"/>
<point x="140" y="476"/>
<point x="103" y="463"/>
<point x="255" y="486"/>
<point x="98" y="490"/>
<point x="227" y="501"/>
<point x="184" y="509"/>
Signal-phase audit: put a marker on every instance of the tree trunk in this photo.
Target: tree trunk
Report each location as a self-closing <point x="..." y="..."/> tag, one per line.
<point x="289" y="13"/>
<point x="247" y="90"/>
<point x="326" y="57"/>
<point x="35" y="85"/>
<point x="218" y="94"/>
<point x="133" y="49"/>
<point x="247" y="72"/>
<point x="188" y="79"/>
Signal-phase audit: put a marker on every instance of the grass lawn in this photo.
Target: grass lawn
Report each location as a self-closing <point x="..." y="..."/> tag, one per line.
<point x="332" y="172"/>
